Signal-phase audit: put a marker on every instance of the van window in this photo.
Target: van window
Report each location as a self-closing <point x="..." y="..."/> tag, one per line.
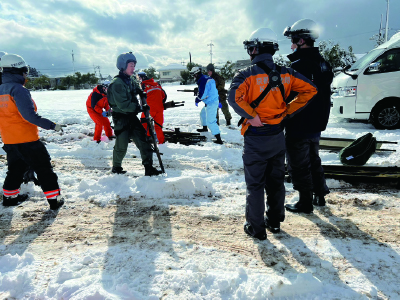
<point x="389" y="61"/>
<point x="365" y="60"/>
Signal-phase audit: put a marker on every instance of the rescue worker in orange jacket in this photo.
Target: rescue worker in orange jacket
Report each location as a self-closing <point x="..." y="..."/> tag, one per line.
<point x="98" y="108"/>
<point x="19" y="131"/>
<point x="156" y="98"/>
<point x="257" y="93"/>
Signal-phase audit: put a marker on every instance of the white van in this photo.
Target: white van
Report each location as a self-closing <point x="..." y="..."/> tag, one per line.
<point x="370" y="88"/>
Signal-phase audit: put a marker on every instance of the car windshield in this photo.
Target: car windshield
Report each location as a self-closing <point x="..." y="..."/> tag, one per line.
<point x="365" y="60"/>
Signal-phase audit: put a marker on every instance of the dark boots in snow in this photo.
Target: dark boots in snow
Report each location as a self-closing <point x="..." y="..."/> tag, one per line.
<point x="204" y="129"/>
<point x="304" y="205"/>
<point x="118" y="170"/>
<point x="9" y="201"/>
<point x="228" y="122"/>
<point x="218" y="139"/>
<point x="248" y="229"/>
<point x="151" y="171"/>
<point x="272" y="226"/>
<point x="319" y="200"/>
<point x="56" y="203"/>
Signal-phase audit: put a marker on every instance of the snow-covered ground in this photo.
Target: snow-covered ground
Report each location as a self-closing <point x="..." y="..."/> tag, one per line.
<point x="161" y="257"/>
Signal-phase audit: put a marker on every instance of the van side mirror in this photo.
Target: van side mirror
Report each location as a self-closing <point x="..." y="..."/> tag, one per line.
<point x="374" y="67"/>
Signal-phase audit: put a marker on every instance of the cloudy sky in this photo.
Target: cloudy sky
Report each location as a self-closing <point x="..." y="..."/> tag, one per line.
<point x="160" y="32"/>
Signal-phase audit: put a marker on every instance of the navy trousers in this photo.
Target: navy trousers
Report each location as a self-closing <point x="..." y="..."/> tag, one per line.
<point x="264" y="170"/>
<point x="304" y="165"/>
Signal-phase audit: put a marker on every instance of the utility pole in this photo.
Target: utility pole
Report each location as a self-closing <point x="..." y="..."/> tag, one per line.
<point x="387" y="21"/>
<point x="97" y="67"/>
<point x="211" y="44"/>
<point x="73" y="61"/>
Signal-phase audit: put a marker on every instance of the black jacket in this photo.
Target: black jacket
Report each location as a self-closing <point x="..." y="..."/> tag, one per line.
<point x="313" y="119"/>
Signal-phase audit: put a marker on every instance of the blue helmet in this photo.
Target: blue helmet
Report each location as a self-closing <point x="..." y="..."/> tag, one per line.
<point x="124" y="59"/>
<point x="142" y="75"/>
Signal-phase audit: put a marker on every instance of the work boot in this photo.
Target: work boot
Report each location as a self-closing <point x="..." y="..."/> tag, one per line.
<point x="248" y="230"/>
<point x="304" y="205"/>
<point x="56" y="203"/>
<point x="151" y="171"/>
<point x="204" y="129"/>
<point x="319" y="200"/>
<point x="218" y="140"/>
<point x="228" y="122"/>
<point x="118" y="170"/>
<point x="272" y="226"/>
<point x="14" y="201"/>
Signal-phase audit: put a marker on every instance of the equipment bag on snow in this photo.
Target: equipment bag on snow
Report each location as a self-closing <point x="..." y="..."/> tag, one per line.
<point x="359" y="151"/>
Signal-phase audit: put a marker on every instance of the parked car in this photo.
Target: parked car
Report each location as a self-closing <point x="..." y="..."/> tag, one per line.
<point x="370" y="88"/>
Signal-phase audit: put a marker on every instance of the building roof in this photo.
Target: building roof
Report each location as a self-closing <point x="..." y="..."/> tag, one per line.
<point x="172" y="67"/>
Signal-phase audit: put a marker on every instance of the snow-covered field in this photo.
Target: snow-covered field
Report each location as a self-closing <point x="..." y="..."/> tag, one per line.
<point x="180" y="236"/>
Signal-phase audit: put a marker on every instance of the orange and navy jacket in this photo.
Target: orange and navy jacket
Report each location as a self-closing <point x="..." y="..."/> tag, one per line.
<point x="250" y="82"/>
<point x="18" y="118"/>
<point x="156" y="96"/>
<point x="97" y="100"/>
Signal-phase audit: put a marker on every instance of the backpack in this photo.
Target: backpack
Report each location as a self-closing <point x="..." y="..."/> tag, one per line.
<point x="359" y="151"/>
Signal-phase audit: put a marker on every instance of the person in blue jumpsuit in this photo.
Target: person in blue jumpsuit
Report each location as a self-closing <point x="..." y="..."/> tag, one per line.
<point x="208" y="94"/>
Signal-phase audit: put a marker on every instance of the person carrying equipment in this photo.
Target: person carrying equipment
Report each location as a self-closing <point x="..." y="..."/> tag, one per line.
<point x="122" y="97"/>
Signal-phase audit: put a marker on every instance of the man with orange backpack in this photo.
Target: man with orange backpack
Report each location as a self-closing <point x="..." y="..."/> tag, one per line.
<point x="156" y="98"/>
<point x="98" y="108"/>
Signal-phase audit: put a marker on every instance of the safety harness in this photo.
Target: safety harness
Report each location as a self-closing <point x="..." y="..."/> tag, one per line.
<point x="273" y="82"/>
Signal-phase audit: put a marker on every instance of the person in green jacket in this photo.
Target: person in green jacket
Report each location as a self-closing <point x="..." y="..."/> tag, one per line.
<point x="122" y="97"/>
<point x="220" y="83"/>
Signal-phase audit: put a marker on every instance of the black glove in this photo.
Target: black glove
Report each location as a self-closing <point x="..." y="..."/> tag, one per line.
<point x="196" y="91"/>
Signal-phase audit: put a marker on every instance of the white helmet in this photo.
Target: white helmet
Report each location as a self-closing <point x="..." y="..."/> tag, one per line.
<point x="304" y="28"/>
<point x="106" y="83"/>
<point x="12" y="61"/>
<point x="2" y="53"/>
<point x="262" y="37"/>
<point x="195" y="71"/>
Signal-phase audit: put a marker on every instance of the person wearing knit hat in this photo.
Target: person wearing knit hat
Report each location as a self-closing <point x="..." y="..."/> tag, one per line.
<point x="220" y="83"/>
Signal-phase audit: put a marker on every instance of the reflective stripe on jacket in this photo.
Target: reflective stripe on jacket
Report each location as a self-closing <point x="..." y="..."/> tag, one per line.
<point x="250" y="82"/>
<point x="155" y="94"/>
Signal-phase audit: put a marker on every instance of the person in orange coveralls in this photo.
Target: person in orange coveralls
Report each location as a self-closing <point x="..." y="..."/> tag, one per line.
<point x="99" y="109"/>
<point x="156" y="98"/>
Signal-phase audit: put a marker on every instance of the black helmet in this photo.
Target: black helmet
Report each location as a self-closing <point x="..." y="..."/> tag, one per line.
<point x="142" y="75"/>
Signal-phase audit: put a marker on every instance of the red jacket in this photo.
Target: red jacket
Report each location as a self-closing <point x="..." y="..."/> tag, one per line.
<point x="155" y="94"/>
<point x="97" y="100"/>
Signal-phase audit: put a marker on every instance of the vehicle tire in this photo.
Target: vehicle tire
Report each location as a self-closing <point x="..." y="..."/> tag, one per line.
<point x="386" y="115"/>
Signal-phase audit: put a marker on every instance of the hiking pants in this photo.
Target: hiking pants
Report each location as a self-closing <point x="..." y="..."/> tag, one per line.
<point x="127" y="127"/>
<point x="304" y="165"/>
<point x="34" y="155"/>
<point x="264" y="171"/>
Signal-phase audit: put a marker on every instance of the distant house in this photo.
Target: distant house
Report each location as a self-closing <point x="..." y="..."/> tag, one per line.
<point x="171" y="73"/>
